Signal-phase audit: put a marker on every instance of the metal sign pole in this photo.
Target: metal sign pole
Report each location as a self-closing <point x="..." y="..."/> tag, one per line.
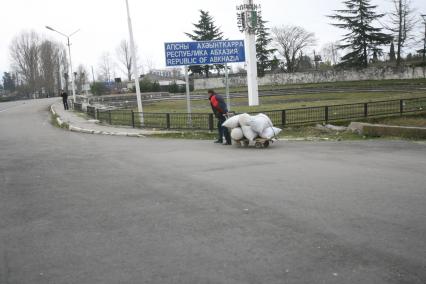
<point x="188" y="98"/>
<point x="228" y="99"/>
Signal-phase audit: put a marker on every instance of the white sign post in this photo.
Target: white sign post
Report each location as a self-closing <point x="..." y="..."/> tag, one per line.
<point x="247" y="16"/>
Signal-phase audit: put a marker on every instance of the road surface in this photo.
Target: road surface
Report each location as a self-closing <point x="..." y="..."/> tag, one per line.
<point x="79" y="208"/>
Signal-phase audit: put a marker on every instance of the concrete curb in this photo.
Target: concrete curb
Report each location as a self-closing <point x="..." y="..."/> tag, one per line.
<point x="379" y="130"/>
<point x="91" y="131"/>
<point x="58" y="119"/>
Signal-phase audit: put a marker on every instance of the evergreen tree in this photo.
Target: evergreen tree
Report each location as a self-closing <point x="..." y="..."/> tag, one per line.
<point x="392" y="55"/>
<point x="263" y="40"/>
<point x="275" y="63"/>
<point x="363" y="39"/>
<point x="8" y="82"/>
<point x="204" y="30"/>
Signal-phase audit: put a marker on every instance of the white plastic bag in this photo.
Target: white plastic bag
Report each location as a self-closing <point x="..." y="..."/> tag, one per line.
<point x="249" y="133"/>
<point x="245" y="119"/>
<point x="232" y="122"/>
<point x="260" y="122"/>
<point x="270" y="132"/>
<point x="237" y="133"/>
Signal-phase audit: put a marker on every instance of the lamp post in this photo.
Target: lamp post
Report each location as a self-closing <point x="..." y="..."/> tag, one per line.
<point x="69" y="52"/>
<point x="424" y="41"/>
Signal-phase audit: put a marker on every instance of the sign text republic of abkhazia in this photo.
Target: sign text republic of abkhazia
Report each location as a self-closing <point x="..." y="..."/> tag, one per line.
<point x="204" y="52"/>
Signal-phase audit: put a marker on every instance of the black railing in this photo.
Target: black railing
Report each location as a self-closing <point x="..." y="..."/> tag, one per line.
<point x="297" y="116"/>
<point x="78" y="106"/>
<point x="91" y="111"/>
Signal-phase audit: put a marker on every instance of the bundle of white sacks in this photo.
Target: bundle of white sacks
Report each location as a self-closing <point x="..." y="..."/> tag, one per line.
<point x="251" y="127"/>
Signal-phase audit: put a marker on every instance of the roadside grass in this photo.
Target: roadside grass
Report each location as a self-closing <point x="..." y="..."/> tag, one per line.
<point x="314" y="133"/>
<point x="283" y="102"/>
<point x="155" y="111"/>
<point x="410" y="121"/>
<point x="54" y="121"/>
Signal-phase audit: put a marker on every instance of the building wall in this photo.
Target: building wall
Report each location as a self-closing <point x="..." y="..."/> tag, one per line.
<point x="317" y="77"/>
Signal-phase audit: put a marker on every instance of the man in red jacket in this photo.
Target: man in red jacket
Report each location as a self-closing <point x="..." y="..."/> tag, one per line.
<point x="220" y="109"/>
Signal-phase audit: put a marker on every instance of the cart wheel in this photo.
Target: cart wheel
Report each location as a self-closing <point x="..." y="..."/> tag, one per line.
<point x="258" y="145"/>
<point x="246" y="143"/>
<point x="266" y="144"/>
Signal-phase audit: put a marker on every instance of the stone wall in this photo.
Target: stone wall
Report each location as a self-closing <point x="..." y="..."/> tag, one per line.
<point x="317" y="77"/>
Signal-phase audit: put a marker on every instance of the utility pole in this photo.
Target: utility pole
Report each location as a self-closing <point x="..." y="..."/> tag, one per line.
<point x="134" y="64"/>
<point x="424" y="41"/>
<point x="93" y="76"/>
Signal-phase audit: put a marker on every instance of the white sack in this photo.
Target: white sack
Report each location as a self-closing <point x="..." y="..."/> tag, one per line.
<point x="232" y="122"/>
<point x="237" y="133"/>
<point x="270" y="132"/>
<point x="249" y="133"/>
<point x="260" y="122"/>
<point x="245" y="119"/>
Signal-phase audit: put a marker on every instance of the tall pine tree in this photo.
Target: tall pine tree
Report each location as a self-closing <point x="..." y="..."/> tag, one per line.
<point x="363" y="39"/>
<point x="263" y="54"/>
<point x="205" y="29"/>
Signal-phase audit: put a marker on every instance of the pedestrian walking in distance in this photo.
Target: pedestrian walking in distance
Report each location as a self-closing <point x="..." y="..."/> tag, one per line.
<point x="220" y="110"/>
<point x="64" y="96"/>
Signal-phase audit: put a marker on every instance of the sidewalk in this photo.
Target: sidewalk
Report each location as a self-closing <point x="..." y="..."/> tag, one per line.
<point x="77" y="122"/>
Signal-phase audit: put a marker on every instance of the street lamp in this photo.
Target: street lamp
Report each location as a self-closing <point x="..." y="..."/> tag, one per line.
<point x="69" y="52"/>
<point x="424" y="44"/>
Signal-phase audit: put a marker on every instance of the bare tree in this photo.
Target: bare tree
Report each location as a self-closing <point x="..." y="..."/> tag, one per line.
<point x="150" y="64"/>
<point x="25" y="54"/>
<point x="290" y="42"/>
<point x="402" y="23"/>
<point x="124" y="56"/>
<point x="63" y="69"/>
<point x="50" y="53"/>
<point x="106" y="67"/>
<point x="330" y="53"/>
<point x="81" y="77"/>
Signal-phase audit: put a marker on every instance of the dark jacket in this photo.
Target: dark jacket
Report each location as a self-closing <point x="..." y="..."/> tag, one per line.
<point x="218" y="105"/>
<point x="64" y="96"/>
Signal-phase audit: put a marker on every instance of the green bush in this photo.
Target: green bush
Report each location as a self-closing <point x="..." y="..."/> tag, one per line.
<point x="98" y="89"/>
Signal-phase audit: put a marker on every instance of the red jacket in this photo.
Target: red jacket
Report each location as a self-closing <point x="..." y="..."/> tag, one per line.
<point x="218" y="104"/>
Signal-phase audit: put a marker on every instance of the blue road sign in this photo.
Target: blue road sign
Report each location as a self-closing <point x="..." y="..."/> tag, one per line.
<point x="204" y="52"/>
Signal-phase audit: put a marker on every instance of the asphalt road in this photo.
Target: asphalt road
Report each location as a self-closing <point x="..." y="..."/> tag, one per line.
<point x="78" y="208"/>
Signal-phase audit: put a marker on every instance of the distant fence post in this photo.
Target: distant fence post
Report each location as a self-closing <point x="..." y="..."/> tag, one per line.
<point x="97" y="114"/>
<point x="365" y="109"/>
<point x="326" y="114"/>
<point x="210" y="121"/>
<point x="110" y="117"/>
<point x="167" y="120"/>
<point x="133" y="119"/>
<point x="283" y="117"/>
<point x="401" y="106"/>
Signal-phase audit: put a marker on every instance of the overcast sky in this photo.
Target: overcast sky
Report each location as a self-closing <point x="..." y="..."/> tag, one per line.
<point x="103" y="23"/>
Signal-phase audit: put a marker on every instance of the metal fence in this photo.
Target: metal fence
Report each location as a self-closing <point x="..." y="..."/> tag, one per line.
<point x="297" y="116"/>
